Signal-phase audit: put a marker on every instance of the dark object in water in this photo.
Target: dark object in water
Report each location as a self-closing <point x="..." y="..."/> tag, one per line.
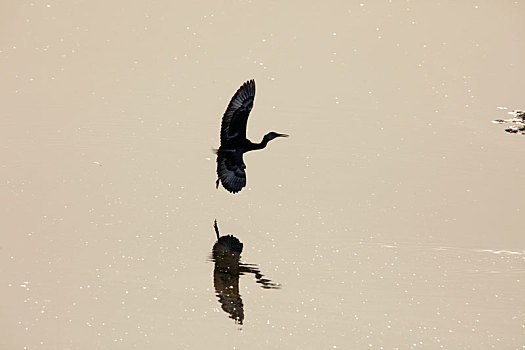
<point x="226" y="254"/>
<point x="517" y="122"/>
<point x="230" y="163"/>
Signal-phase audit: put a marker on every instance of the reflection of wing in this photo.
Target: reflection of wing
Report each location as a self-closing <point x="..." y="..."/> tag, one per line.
<point x="226" y="253"/>
<point x="236" y="116"/>
<point x="230" y="169"/>
<point x="226" y="282"/>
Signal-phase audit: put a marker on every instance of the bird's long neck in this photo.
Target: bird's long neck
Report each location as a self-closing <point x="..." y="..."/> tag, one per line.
<point x="255" y="146"/>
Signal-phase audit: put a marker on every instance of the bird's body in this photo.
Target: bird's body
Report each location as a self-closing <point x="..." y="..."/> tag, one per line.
<point x="230" y="164"/>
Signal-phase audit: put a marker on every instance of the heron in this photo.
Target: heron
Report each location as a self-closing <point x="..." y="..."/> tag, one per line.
<point x="230" y="164"/>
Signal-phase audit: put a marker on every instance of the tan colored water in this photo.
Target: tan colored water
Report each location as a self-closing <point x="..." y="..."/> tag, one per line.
<point x="391" y="218"/>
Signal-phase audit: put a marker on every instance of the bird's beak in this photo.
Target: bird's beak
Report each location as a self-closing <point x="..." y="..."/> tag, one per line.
<point x="282" y="135"/>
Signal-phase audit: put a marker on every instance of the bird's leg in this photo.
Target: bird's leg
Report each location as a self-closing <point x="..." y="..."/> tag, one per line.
<point x="217" y="183"/>
<point x="216" y="229"/>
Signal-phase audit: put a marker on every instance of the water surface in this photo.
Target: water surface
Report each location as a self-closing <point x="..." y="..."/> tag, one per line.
<point x="391" y="218"/>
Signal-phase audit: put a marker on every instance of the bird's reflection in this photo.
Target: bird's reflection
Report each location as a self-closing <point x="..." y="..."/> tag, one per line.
<point x="226" y="254"/>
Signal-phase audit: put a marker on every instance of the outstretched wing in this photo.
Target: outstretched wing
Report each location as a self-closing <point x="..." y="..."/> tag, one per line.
<point x="236" y="116"/>
<point x="230" y="170"/>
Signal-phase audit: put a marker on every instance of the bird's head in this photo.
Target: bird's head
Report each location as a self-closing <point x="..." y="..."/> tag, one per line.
<point x="272" y="135"/>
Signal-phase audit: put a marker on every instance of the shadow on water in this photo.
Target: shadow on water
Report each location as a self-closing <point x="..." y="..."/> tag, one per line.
<point x="226" y="254"/>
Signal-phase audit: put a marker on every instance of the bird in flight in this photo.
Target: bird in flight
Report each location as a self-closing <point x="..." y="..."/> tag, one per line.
<point x="230" y="165"/>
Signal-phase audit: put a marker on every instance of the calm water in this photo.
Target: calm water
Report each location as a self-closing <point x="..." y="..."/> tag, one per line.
<point x="392" y="217"/>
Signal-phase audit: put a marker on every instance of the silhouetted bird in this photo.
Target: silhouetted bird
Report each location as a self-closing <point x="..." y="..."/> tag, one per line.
<point x="230" y="165"/>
